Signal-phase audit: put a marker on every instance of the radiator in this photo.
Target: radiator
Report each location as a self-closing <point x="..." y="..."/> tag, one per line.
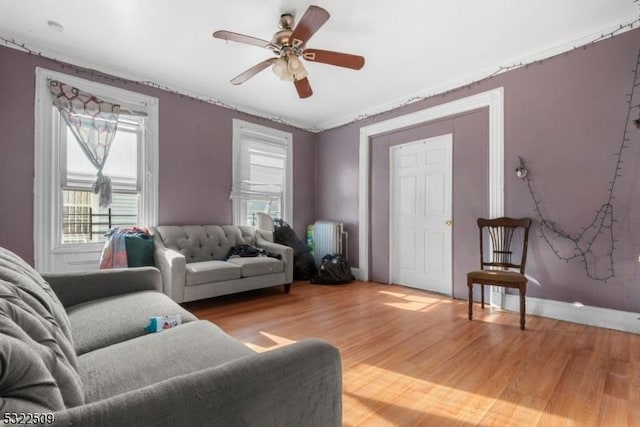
<point x="329" y="237"/>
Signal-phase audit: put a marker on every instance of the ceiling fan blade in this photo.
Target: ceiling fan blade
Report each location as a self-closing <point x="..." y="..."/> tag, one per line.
<point x="346" y="60"/>
<point x="311" y="21"/>
<point x="241" y="38"/>
<point x="303" y="87"/>
<point x="241" y="78"/>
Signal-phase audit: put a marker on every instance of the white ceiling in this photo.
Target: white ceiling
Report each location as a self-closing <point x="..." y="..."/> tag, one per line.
<point x="412" y="47"/>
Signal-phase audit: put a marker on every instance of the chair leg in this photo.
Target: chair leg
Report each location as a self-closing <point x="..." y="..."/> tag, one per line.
<point x="522" y="308"/>
<point x="470" y="285"/>
<point x="482" y="295"/>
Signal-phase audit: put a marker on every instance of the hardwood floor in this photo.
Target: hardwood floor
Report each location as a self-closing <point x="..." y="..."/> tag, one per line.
<point x="411" y="358"/>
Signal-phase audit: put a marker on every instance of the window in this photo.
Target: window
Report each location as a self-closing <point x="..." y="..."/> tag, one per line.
<point x="261" y="173"/>
<point x="83" y="221"/>
<point x="69" y="225"/>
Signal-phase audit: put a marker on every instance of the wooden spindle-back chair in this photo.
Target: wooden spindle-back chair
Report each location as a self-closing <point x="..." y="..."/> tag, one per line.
<point x="499" y="267"/>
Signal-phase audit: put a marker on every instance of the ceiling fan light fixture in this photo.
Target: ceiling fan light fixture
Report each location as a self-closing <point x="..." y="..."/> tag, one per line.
<point x="287" y="77"/>
<point x="280" y="67"/>
<point x="294" y="63"/>
<point x="296" y="68"/>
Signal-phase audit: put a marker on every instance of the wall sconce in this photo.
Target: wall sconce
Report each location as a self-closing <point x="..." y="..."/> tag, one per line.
<point x="521" y="171"/>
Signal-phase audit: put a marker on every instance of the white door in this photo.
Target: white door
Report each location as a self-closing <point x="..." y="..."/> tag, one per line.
<point x="420" y="223"/>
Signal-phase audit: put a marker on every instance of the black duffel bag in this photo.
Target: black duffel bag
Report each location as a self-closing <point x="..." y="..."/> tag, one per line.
<point x="334" y="270"/>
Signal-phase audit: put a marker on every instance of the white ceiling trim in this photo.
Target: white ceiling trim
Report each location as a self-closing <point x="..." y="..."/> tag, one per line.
<point x="528" y="58"/>
<point x="110" y="73"/>
<point x="517" y="62"/>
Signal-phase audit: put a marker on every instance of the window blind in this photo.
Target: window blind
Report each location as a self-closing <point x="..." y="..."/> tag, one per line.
<point x="259" y="170"/>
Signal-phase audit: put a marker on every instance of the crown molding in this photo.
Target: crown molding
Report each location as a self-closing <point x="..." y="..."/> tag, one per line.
<point x="618" y="27"/>
<point x="546" y="53"/>
<point x="108" y="72"/>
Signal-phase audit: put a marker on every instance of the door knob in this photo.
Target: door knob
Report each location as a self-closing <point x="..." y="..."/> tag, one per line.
<point x="449" y="222"/>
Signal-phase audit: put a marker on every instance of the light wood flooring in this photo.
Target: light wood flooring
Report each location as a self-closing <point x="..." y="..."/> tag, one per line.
<point x="411" y="358"/>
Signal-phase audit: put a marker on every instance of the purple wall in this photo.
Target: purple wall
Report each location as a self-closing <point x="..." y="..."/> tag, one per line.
<point x="565" y="116"/>
<point x="337" y="181"/>
<point x="194" y="154"/>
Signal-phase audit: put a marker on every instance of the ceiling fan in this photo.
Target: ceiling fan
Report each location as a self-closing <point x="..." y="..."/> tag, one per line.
<point x="289" y="45"/>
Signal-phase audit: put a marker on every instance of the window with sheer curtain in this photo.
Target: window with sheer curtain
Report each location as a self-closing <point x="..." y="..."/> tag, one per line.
<point x="74" y="158"/>
<point x="83" y="219"/>
<point x="261" y="173"/>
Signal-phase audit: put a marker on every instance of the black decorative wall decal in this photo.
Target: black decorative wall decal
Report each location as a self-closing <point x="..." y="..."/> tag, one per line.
<point x="600" y="232"/>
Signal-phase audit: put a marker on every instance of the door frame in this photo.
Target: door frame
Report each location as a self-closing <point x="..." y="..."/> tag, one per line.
<point x="494" y="99"/>
<point x="392" y="148"/>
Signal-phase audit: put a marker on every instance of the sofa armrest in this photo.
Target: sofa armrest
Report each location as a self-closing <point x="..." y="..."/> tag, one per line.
<point x="77" y="287"/>
<point x="297" y="385"/>
<point x="172" y="265"/>
<point x="284" y="251"/>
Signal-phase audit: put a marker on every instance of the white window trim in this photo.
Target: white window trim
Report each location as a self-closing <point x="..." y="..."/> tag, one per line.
<point x="47" y="198"/>
<point x="268" y="135"/>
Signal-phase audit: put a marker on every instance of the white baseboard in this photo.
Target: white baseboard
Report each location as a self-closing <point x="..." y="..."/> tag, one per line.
<point x="587" y="315"/>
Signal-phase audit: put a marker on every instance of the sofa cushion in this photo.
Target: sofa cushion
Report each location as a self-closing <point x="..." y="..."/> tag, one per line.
<point x="15" y="270"/>
<point x="106" y="321"/>
<point x="258" y="266"/>
<point x="139" y="250"/>
<point x="211" y="271"/>
<point x="156" y="357"/>
<point x="26" y="383"/>
<point x="34" y="329"/>
<point x="29" y="339"/>
<point x="204" y="242"/>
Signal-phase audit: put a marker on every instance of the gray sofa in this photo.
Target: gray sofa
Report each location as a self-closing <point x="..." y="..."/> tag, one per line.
<point x="192" y="260"/>
<point x="72" y="348"/>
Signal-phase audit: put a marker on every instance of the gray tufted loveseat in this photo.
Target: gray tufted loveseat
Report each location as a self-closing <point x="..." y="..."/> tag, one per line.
<point x="192" y="260"/>
<point x="73" y="352"/>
